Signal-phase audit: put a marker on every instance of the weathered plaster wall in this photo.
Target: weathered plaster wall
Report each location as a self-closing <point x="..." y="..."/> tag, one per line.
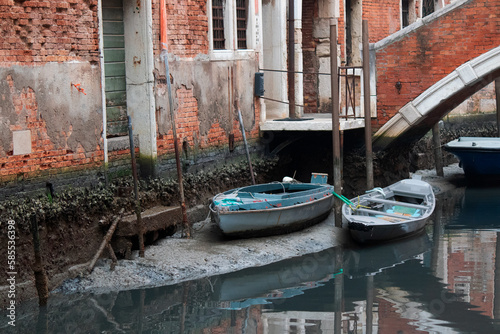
<point x="59" y="104"/>
<point x="204" y="114"/>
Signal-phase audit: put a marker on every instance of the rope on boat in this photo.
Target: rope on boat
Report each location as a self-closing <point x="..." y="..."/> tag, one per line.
<point x="352" y="205"/>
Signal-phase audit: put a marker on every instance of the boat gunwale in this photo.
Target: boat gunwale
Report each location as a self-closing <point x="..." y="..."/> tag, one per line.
<point x="273" y="209"/>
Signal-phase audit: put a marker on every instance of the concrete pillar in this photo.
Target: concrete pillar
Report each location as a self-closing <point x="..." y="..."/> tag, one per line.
<point x="140" y="81"/>
<point x="274" y="57"/>
<point x="327" y="9"/>
<point x="299" y="62"/>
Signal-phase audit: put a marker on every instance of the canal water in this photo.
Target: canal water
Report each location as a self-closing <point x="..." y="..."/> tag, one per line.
<point x="444" y="280"/>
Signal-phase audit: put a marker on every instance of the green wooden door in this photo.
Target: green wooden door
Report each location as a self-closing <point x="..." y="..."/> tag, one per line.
<point x="114" y="68"/>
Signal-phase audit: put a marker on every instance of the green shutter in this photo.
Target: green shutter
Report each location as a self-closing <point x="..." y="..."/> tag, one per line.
<point x="114" y="68"/>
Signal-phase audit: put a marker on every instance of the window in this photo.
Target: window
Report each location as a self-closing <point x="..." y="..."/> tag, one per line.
<point x="241" y="23"/>
<point x="405" y="13"/>
<point x="219" y="41"/>
<point x="230" y="25"/>
<point x="427" y="7"/>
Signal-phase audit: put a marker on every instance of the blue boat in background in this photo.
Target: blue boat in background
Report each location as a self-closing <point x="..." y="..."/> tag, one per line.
<point x="479" y="156"/>
<point x="271" y="208"/>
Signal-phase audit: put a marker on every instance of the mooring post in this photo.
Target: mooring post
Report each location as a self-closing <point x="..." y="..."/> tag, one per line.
<point x="497" y="94"/>
<point x="496" y="281"/>
<point x="438" y="155"/>
<point x="41" y="281"/>
<point x="140" y="229"/>
<point x="338" y="282"/>
<point x="367" y="107"/>
<point x="337" y="175"/>
<point x="369" y="303"/>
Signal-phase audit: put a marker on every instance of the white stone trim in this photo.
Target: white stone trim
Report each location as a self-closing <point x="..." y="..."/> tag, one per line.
<point x="231" y="52"/>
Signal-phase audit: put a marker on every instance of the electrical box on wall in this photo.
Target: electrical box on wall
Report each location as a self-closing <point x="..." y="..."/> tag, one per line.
<point x="259" y="84"/>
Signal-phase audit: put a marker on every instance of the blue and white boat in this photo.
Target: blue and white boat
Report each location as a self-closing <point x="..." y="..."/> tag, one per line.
<point x="271" y="208"/>
<point x="479" y="156"/>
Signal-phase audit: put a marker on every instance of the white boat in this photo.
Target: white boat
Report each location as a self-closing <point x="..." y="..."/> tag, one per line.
<point x="393" y="212"/>
<point x="271" y="208"/>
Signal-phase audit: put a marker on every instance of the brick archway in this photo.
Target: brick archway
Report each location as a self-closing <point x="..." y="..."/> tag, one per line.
<point x="418" y="116"/>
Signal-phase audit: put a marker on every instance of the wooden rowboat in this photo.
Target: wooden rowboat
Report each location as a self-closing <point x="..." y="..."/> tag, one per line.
<point x="393" y="212"/>
<point x="271" y="208"/>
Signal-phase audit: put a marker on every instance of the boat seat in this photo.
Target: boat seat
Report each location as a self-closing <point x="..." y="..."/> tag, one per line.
<point x="382" y="213"/>
<point x="387" y="201"/>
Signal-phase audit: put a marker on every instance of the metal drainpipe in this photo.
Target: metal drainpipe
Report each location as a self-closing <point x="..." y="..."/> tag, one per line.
<point x="103" y="91"/>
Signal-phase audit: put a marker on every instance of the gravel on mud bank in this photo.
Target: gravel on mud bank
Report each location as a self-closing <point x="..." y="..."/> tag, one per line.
<point x="175" y="259"/>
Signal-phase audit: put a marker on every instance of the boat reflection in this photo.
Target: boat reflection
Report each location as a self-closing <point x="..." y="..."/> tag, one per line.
<point x="479" y="208"/>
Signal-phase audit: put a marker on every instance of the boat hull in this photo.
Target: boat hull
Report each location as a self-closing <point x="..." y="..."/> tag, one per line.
<point x="479" y="156"/>
<point x="274" y="219"/>
<point x="364" y="232"/>
<point x="394" y="212"/>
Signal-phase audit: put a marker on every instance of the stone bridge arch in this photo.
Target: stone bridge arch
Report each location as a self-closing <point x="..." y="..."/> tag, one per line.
<point x="423" y="71"/>
<point x="419" y="115"/>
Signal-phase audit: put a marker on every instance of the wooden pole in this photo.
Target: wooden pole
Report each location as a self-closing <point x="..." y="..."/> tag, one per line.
<point x="497" y="93"/>
<point x="41" y="281"/>
<point x="438" y="155"/>
<point x="337" y="176"/>
<point x="369" y="303"/>
<point x="291" y="59"/>
<point x="186" y="228"/>
<point x="140" y="229"/>
<point x="252" y="177"/>
<point x="106" y="240"/>
<point x="367" y="107"/>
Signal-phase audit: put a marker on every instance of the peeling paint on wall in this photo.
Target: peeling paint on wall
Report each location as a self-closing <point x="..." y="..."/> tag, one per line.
<point x="71" y="118"/>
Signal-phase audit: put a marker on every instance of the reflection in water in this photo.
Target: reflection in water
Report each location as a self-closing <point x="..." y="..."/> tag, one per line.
<point x="443" y="280"/>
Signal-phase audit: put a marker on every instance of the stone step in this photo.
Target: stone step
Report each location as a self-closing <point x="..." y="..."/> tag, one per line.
<point x="154" y="219"/>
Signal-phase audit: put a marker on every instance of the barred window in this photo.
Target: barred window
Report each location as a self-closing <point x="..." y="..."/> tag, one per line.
<point x="241" y="23"/>
<point x="230" y="19"/>
<point x="219" y="40"/>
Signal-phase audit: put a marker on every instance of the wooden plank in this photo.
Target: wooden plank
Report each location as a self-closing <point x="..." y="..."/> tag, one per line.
<point x="386" y="201"/>
<point x="114" y="55"/>
<point x="381" y="213"/>
<point x="113" y="28"/>
<point x="112" y="13"/>
<point x="114" y="41"/>
<point x="114" y="70"/>
<point x="118" y="98"/>
<point x="112" y="3"/>
<point x="116" y="113"/>
<point x="115" y="84"/>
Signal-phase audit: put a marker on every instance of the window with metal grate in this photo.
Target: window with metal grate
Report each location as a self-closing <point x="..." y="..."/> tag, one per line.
<point x="241" y="23"/>
<point x="219" y="40"/>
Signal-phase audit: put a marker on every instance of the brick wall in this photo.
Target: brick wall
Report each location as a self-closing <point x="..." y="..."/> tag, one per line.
<point x="311" y="65"/>
<point x="383" y="16"/>
<point x="433" y="51"/>
<point x="187" y="27"/>
<point x="45" y="31"/>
